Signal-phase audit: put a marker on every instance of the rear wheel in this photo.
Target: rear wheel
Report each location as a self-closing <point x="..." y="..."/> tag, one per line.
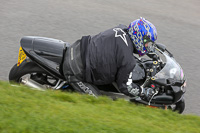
<point x="30" y="71"/>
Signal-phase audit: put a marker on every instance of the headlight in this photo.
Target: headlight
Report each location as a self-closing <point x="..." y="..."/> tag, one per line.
<point x="183" y="87"/>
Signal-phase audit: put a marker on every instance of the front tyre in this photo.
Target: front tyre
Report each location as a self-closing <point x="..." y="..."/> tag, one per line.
<point x="180" y="106"/>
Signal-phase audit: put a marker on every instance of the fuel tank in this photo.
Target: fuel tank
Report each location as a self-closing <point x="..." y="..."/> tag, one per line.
<point x="138" y="74"/>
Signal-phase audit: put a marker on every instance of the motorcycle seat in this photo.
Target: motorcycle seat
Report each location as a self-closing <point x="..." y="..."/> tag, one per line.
<point x="46" y="52"/>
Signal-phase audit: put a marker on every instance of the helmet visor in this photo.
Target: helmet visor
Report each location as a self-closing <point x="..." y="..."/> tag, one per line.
<point x="148" y="44"/>
<point x="150" y="47"/>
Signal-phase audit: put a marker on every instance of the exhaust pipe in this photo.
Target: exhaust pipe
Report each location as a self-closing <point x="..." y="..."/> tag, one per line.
<point x="34" y="85"/>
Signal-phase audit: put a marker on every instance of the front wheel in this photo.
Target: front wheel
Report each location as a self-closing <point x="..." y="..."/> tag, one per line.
<point x="180" y="106"/>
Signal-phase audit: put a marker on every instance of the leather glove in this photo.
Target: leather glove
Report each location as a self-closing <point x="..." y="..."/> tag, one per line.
<point x="132" y="90"/>
<point x="148" y="93"/>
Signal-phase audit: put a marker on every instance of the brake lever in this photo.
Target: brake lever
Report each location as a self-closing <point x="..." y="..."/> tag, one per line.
<point x="152" y="97"/>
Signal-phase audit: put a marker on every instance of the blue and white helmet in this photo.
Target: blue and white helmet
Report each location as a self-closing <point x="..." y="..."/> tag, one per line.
<point x="141" y="32"/>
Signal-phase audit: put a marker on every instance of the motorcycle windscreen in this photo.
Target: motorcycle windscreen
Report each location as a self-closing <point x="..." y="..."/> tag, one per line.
<point x="171" y="70"/>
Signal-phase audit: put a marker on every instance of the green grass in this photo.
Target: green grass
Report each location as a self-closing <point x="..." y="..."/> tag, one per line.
<point x="23" y="110"/>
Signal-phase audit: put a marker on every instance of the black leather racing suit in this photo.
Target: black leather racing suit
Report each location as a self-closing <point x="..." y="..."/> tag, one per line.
<point x="106" y="57"/>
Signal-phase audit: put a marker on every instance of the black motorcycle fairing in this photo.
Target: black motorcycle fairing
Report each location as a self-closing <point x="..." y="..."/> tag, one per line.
<point x="164" y="99"/>
<point x="172" y="85"/>
<point x="178" y="93"/>
<point x="46" y="52"/>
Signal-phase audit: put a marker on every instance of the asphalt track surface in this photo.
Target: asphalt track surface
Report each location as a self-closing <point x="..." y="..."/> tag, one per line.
<point x="177" y="23"/>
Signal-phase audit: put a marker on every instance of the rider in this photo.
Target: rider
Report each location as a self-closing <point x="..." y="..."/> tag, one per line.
<point x="108" y="56"/>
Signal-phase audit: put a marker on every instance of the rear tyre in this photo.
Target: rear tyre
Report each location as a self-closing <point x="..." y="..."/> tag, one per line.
<point x="29" y="69"/>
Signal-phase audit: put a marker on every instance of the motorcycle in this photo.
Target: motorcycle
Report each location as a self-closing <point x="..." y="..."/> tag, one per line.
<point x="161" y="78"/>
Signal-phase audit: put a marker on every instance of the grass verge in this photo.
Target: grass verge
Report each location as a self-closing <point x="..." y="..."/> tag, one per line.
<point x="23" y="110"/>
